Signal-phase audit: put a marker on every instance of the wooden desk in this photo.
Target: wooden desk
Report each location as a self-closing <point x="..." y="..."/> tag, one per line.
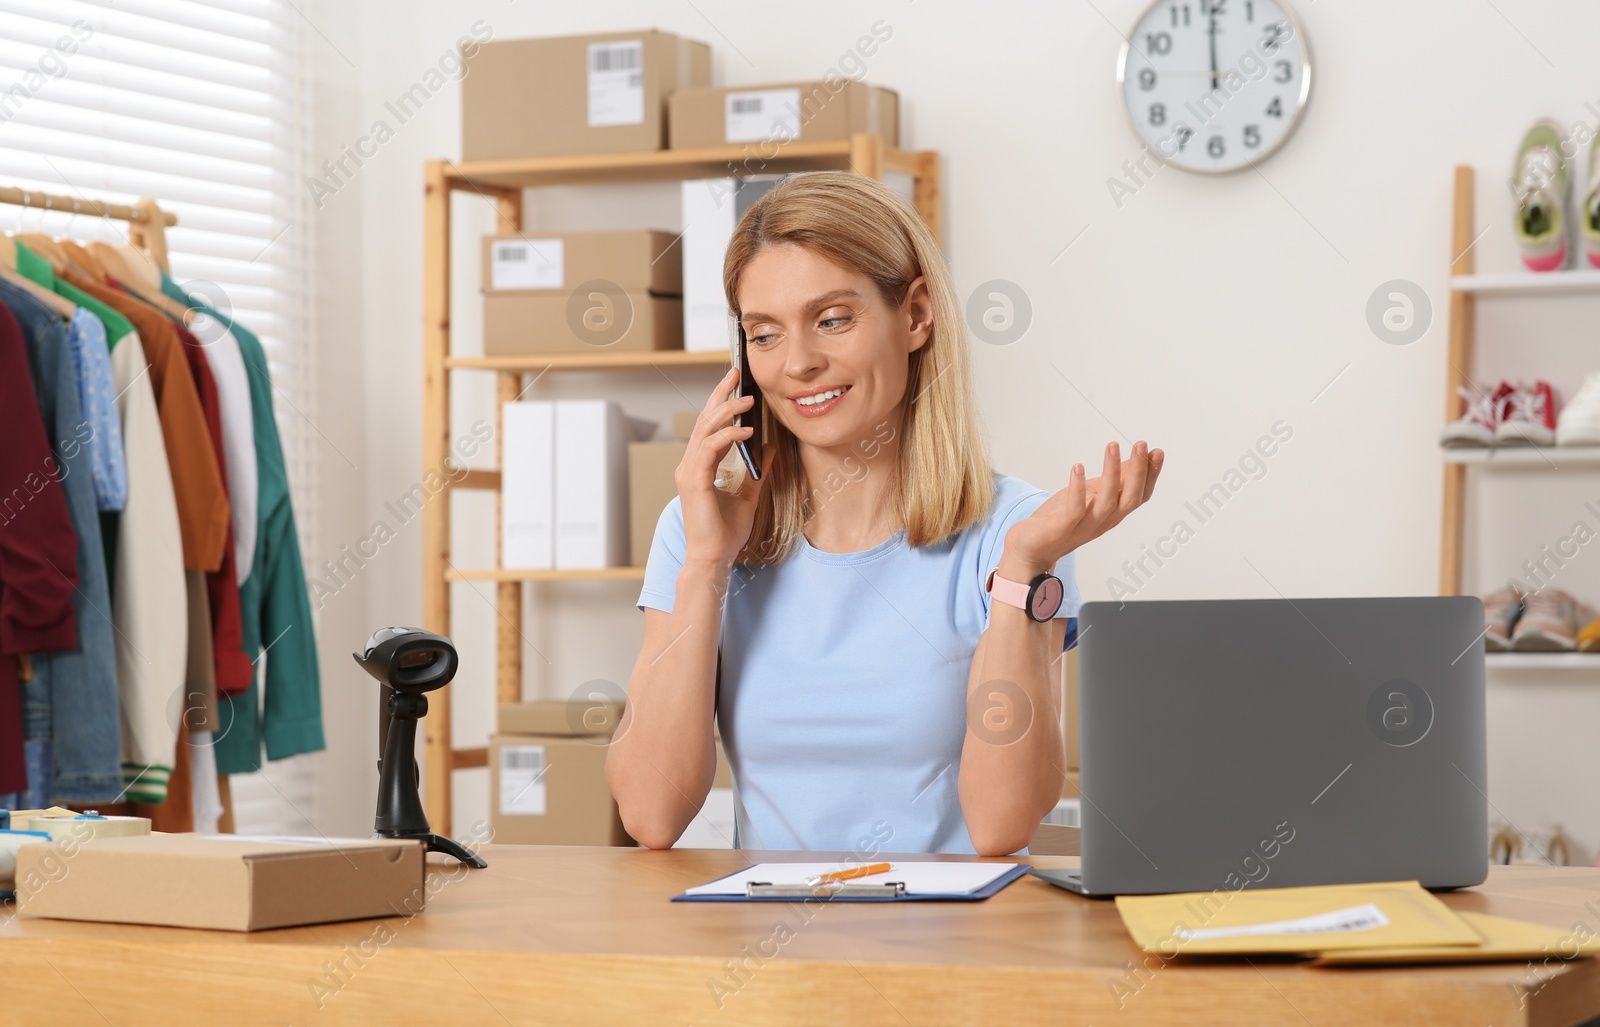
<point x="575" y="935"/>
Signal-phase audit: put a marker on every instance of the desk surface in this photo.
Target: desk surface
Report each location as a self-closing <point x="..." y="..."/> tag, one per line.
<point x="569" y="934"/>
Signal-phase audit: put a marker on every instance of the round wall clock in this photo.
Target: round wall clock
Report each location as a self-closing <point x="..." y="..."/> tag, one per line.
<point x="1215" y="85"/>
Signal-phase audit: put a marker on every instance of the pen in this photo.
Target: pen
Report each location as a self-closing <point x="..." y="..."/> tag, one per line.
<point x="845" y="875"/>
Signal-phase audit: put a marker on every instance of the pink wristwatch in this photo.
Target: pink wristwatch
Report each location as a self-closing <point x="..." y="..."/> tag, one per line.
<point x="1039" y="599"/>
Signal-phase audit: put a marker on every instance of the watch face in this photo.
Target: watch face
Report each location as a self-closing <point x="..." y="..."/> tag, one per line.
<point x="1045" y="598"/>
<point x="1215" y="85"/>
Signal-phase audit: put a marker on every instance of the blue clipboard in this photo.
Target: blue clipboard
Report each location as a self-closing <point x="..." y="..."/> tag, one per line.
<point x="982" y="893"/>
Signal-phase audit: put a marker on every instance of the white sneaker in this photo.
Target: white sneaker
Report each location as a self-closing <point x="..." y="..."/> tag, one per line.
<point x="1579" y="424"/>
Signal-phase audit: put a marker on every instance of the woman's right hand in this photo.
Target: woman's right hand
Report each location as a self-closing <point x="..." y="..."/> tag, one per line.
<point x="716" y="521"/>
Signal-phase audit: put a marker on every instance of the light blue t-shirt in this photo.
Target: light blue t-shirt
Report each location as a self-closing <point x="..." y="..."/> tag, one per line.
<point x="843" y="704"/>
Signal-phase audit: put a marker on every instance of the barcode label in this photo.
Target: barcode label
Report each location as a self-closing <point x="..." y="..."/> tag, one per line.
<point x="528" y="264"/>
<point x="522" y="789"/>
<point x="615" y="57"/>
<point x="616" y="83"/>
<point x="1340" y="921"/>
<point x="762" y="115"/>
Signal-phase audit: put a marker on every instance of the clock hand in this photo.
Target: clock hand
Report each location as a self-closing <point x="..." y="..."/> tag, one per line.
<point x="1211" y="15"/>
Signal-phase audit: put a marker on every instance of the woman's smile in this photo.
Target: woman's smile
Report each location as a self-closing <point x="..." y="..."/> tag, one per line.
<point x="818" y="401"/>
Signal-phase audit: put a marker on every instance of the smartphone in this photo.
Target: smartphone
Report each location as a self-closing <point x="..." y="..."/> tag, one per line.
<point x="750" y="448"/>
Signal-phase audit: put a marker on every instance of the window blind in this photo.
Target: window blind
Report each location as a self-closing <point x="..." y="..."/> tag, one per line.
<point x="204" y="106"/>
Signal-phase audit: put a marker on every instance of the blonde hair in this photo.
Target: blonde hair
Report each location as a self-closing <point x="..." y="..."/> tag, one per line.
<point x="943" y="483"/>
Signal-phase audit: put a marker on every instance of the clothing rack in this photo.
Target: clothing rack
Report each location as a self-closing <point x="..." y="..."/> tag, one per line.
<point x="147" y="222"/>
<point x="147" y="230"/>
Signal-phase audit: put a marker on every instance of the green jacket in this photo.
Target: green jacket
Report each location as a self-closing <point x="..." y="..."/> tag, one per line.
<point x="283" y="708"/>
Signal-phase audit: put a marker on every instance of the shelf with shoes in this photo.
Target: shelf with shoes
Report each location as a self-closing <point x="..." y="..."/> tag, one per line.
<point x="1542" y="661"/>
<point x="1529" y="283"/>
<point x="1554" y="458"/>
<point x="1508" y="425"/>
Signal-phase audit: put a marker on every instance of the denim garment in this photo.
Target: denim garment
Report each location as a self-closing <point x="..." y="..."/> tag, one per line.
<point x="72" y="697"/>
<point x="91" y="363"/>
<point x="36" y="751"/>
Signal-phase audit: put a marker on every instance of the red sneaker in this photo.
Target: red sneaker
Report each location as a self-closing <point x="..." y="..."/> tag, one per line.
<point x="1528" y="417"/>
<point x="1478" y="422"/>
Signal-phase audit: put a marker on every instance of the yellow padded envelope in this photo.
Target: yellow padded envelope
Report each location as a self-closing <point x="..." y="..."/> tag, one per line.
<point x="1503" y="941"/>
<point x="1295" y="920"/>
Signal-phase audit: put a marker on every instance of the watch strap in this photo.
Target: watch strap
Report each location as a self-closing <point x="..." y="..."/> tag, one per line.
<point x="1012" y="593"/>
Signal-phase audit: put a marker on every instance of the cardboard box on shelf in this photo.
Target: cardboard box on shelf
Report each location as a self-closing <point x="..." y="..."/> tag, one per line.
<point x="567" y="95"/>
<point x="793" y="111"/>
<point x="633" y="260"/>
<point x="683" y="424"/>
<point x="221" y="882"/>
<point x="547" y="779"/>
<point x="577" y="718"/>
<point x="550" y="789"/>
<point x="651" y="467"/>
<point x="598" y="321"/>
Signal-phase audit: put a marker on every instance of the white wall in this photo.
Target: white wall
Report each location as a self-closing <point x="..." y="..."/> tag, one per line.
<point x="1196" y="315"/>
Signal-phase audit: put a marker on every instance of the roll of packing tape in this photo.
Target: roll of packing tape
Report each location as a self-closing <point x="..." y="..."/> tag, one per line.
<point x="10" y="842"/>
<point x="85" y="827"/>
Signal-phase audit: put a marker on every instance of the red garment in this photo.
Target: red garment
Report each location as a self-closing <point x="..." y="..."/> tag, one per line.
<point x="38" y="547"/>
<point x="234" y="672"/>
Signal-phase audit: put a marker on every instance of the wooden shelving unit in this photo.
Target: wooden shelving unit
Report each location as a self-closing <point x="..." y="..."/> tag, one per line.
<point x="503" y="182"/>
<point x="1465" y="289"/>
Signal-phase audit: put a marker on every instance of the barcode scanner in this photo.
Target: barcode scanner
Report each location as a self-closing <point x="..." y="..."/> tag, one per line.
<point x="749" y="449"/>
<point x="409" y="663"/>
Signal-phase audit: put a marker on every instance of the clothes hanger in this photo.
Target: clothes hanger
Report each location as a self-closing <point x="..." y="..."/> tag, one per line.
<point x="60" y="304"/>
<point x="45" y="247"/>
<point x="141" y="269"/>
<point x="130" y="266"/>
<point x="81" y="259"/>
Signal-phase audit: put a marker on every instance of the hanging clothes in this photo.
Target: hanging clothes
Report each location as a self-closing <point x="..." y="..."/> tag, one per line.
<point x="38" y="548"/>
<point x="283" y="707"/>
<point x="143" y="543"/>
<point x="91" y="364"/>
<point x="202" y="507"/>
<point x="231" y="665"/>
<point x="226" y="362"/>
<point x="72" y="697"/>
<point x="203" y="511"/>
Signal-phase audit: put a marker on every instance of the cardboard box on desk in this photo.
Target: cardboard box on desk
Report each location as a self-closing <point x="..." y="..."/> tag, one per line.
<point x="221" y="882"/>
<point x="794" y="111"/>
<point x="553" y="96"/>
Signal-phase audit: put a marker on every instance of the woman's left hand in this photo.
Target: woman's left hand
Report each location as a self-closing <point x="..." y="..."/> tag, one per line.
<point x="1085" y="509"/>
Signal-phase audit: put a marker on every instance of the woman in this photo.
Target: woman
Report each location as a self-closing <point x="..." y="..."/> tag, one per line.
<point x="835" y="617"/>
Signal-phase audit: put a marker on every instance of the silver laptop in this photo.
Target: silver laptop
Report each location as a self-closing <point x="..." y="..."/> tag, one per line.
<point x="1277" y="742"/>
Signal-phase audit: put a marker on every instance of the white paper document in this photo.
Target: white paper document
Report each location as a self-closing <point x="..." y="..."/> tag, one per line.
<point x="1355" y="918"/>
<point x="920" y="878"/>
